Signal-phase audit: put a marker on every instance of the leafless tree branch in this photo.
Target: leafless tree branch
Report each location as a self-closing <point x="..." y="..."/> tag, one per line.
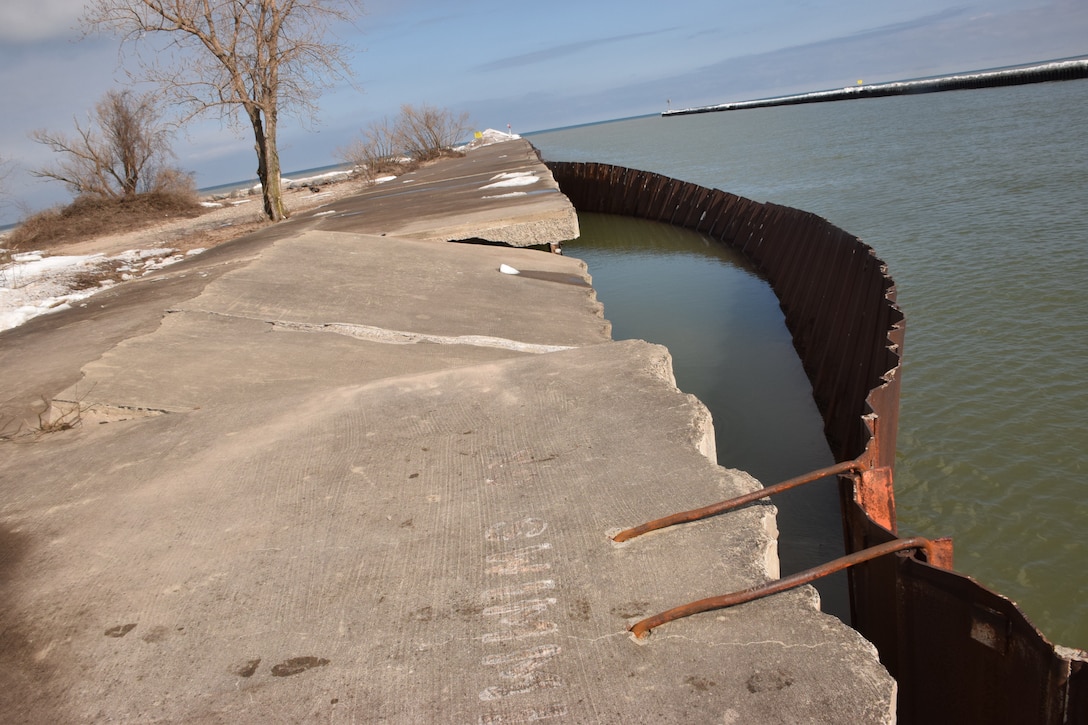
<point x="418" y="133"/>
<point x="250" y="58"/>
<point x="426" y="131"/>
<point x="120" y="151"/>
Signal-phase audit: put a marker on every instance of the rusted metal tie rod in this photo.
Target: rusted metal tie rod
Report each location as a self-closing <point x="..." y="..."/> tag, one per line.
<point x="931" y="549"/>
<point x="684" y="517"/>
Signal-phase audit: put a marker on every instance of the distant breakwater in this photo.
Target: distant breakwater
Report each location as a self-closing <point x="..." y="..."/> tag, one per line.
<point x="1066" y="70"/>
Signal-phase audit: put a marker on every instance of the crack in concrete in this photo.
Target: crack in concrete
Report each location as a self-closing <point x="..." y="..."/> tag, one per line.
<point x="391" y="337"/>
<point x="400" y="337"/>
<point x="387" y="336"/>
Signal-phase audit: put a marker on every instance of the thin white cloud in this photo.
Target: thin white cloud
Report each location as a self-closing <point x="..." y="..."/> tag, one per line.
<point x="28" y="21"/>
<point x="936" y="43"/>
<point x="557" y="51"/>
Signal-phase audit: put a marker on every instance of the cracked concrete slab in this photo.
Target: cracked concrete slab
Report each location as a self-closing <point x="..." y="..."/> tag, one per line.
<point x="413" y="286"/>
<point x="458" y="200"/>
<point x="197" y="360"/>
<point x="435" y="546"/>
<point x="322" y="310"/>
<point x="352" y="506"/>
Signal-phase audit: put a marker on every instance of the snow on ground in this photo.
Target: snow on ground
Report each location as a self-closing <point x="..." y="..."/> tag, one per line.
<point x="486" y="138"/>
<point x="507" y="195"/>
<point x="511" y="178"/>
<point x="34" y="283"/>
<point x="329" y="177"/>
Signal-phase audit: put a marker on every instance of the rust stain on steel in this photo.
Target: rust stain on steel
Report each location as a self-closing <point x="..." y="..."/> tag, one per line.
<point x="874" y="494"/>
<point x="714" y="509"/>
<point x="960" y="652"/>
<point x="642" y="629"/>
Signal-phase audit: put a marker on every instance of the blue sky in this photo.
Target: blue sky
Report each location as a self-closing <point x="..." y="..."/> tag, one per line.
<point x="533" y="65"/>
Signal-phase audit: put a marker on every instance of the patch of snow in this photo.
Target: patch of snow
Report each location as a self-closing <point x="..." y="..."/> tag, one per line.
<point x="514" y="178"/>
<point x="511" y="175"/>
<point x="211" y="204"/>
<point x="34" y="283"/>
<point x="136" y="255"/>
<point x="317" y="180"/>
<point x="507" y="195"/>
<point x="486" y="138"/>
<point x="383" y="179"/>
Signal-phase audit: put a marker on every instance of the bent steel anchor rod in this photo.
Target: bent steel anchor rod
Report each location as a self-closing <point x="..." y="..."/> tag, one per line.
<point x="642" y="629"/>
<point x="684" y="517"/>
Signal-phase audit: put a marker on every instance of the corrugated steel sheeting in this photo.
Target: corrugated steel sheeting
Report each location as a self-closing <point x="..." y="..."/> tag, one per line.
<point x="960" y="652"/>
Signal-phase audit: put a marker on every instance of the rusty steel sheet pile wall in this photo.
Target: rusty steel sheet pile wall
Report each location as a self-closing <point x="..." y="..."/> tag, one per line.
<point x="835" y="293"/>
<point x="960" y="652"/>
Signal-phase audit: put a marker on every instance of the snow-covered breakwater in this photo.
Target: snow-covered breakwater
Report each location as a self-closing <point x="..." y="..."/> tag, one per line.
<point x="1064" y="70"/>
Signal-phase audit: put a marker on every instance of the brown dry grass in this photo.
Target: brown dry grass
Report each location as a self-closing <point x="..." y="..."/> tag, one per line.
<point x="157" y="224"/>
<point x="95" y="216"/>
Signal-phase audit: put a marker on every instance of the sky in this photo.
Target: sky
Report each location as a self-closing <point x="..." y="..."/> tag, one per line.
<point x="532" y="65"/>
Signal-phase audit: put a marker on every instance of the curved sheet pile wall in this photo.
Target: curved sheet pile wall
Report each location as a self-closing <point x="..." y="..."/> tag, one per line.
<point x="960" y="652"/>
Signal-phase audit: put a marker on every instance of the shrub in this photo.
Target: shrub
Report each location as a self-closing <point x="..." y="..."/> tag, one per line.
<point x="377" y="152"/>
<point x="428" y="132"/>
<point x="90" y="216"/>
<point x="417" y="135"/>
<point x="121" y="150"/>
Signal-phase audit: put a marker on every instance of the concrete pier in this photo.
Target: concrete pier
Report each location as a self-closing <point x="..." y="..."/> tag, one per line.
<point x="344" y="471"/>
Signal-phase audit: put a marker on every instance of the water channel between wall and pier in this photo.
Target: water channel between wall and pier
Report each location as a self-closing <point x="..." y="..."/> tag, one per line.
<point x="960" y="652"/>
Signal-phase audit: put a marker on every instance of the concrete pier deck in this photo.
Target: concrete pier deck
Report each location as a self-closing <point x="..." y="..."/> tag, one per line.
<point x="340" y="471"/>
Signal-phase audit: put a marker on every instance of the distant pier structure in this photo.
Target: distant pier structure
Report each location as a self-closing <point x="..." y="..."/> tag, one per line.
<point x="1062" y="70"/>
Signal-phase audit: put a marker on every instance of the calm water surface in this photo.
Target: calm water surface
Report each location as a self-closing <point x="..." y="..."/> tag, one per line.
<point x="731" y="349"/>
<point x="976" y="199"/>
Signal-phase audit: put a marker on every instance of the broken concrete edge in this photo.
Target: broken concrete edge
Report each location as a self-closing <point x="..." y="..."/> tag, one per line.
<point x="548" y="229"/>
<point x="532" y="227"/>
<point x="702" y="439"/>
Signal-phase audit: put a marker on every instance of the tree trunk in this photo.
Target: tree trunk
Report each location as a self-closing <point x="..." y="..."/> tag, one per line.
<point x="268" y="167"/>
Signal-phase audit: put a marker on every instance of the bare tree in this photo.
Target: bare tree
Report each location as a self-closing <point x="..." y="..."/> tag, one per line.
<point x="420" y="134"/>
<point x="256" y="57"/>
<point x="427" y="132"/>
<point x="378" y="151"/>
<point x="121" y="151"/>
